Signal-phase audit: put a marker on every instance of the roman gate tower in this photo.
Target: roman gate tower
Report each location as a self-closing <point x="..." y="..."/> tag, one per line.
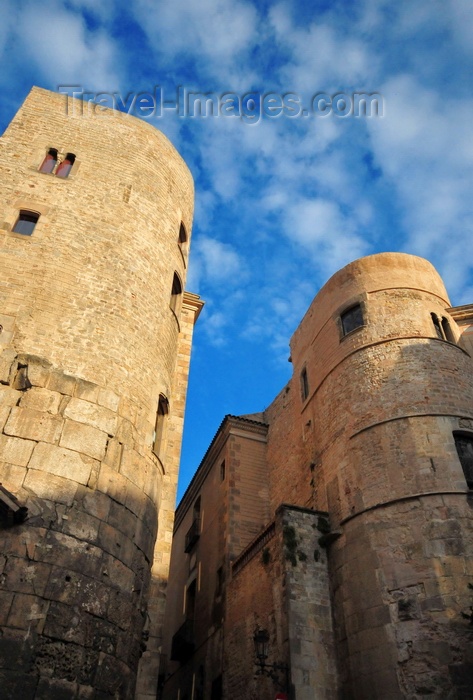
<point x="387" y="416"/>
<point x="95" y="336"/>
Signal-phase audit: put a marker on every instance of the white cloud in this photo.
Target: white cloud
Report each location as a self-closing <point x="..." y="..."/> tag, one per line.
<point x="212" y="33"/>
<point x="425" y="148"/>
<point x="215" y="263"/>
<point x="64" y="50"/>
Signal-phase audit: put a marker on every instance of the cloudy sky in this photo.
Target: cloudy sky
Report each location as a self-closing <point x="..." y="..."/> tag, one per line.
<point x="284" y="196"/>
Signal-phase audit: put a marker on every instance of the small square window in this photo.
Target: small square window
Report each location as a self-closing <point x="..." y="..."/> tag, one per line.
<point x="352" y="319"/>
<point x="26" y="222"/>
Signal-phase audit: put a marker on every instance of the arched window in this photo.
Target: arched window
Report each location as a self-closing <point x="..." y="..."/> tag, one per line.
<point x="49" y="162"/>
<point x="159" y="430"/>
<point x="26" y="222"/>
<point x="65" y="167"/>
<point x="176" y="293"/>
<point x="442" y="328"/>
<point x="182" y="240"/>
<point x="437" y="326"/>
<point x="447" y="331"/>
<point x="182" y="235"/>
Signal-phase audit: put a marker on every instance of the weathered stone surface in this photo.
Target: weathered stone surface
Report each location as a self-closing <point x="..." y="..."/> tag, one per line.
<point x="49" y="486"/>
<point x="34" y="425"/>
<point x="41" y="399"/>
<point x="15" y="450"/>
<point x="61" y="462"/>
<point x="84" y="302"/>
<point x="84" y="438"/>
<point x="91" y="414"/>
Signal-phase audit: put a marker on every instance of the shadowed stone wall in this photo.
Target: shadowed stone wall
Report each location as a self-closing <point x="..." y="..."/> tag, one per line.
<point x="89" y="343"/>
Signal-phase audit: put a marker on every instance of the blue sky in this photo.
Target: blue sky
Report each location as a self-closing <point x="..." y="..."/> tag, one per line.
<point x="283" y="203"/>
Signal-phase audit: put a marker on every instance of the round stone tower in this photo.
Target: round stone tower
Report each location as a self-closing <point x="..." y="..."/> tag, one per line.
<point x="388" y="390"/>
<point x="95" y="333"/>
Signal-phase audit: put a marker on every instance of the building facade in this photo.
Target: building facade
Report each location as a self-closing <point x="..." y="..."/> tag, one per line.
<point x="95" y="340"/>
<point x="335" y="529"/>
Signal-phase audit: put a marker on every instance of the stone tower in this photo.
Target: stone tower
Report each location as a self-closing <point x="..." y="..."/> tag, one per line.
<point x="337" y="524"/>
<point x="387" y="396"/>
<point x="95" y="336"/>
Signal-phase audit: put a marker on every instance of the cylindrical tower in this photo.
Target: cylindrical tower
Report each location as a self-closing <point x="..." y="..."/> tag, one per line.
<point x="389" y="393"/>
<point x="95" y="223"/>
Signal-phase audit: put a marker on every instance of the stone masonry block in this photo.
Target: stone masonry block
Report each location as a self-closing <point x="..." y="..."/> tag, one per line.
<point x="23" y="576"/>
<point x="133" y="467"/>
<point x="66" y="586"/>
<point x="46" y="485"/>
<point x="41" y="399"/>
<point x="27" y="612"/>
<point x="68" y="552"/>
<point x="6" y="361"/>
<point x="64" y="383"/>
<point x="35" y="425"/>
<point x="108" y="399"/>
<point x="112" y="483"/>
<point x="87" y="390"/>
<point x="91" y="414"/>
<point x="114" y="454"/>
<point x="84" y="438"/>
<point x="6" y="598"/>
<point x="82" y="526"/>
<point x="61" y="462"/>
<point x="39" y="369"/>
<point x="9" y="396"/>
<point x="15" y="450"/>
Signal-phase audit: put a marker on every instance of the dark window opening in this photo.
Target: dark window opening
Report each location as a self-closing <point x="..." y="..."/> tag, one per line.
<point x="182" y="235"/>
<point x="442" y="328"/>
<point x="191" y="595"/>
<point x="222" y="471"/>
<point x="26" y="222"/>
<point x="447" y="331"/>
<point x="159" y="432"/>
<point x="352" y="319"/>
<point x="437" y="326"/>
<point x="219" y="582"/>
<point x="65" y="167"/>
<point x="193" y="534"/>
<point x="49" y="162"/>
<point x="464" y="445"/>
<point x="217" y="689"/>
<point x="304" y="384"/>
<point x="176" y="292"/>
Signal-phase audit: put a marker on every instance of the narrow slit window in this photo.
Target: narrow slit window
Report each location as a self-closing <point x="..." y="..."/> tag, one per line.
<point x="64" y="168"/>
<point x="176" y="292"/>
<point x="304" y="384"/>
<point x="437" y="326"/>
<point x="182" y="236"/>
<point x="26" y="222"/>
<point x="159" y="431"/>
<point x="447" y="331"/>
<point x="222" y="471"/>
<point x="49" y="162"/>
<point x="464" y="445"/>
<point x="352" y="319"/>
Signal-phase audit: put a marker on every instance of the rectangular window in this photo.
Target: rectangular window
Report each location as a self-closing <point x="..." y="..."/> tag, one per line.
<point x="352" y="319"/>
<point x="464" y="445"/>
<point x="304" y="384"/>
<point x="26" y="222"/>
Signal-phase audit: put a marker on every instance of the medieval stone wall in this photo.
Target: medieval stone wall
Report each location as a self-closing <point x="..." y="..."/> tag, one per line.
<point x="384" y="401"/>
<point x="90" y="342"/>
